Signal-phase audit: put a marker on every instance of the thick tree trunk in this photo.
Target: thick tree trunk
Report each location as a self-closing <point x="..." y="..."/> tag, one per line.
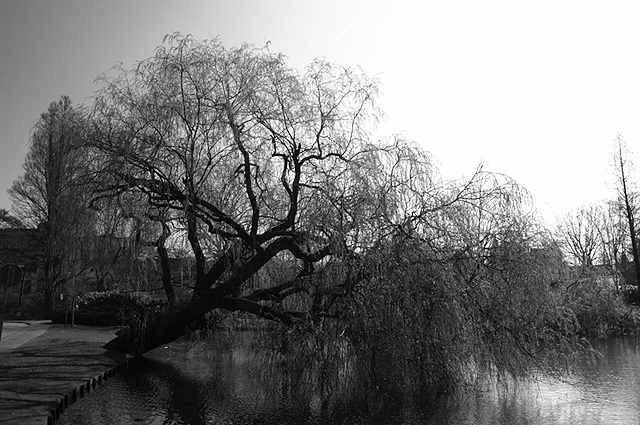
<point x="149" y="333"/>
<point x="161" y="327"/>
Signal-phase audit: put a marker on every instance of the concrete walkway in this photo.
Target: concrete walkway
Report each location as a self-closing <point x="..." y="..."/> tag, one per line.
<point x="15" y="334"/>
<point x="44" y="366"/>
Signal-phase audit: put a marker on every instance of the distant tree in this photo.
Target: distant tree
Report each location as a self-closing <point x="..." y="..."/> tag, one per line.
<point x="116" y="247"/>
<point x="627" y="195"/>
<point x="50" y="194"/>
<point x="128" y="227"/>
<point x="612" y="234"/>
<point x="581" y="234"/>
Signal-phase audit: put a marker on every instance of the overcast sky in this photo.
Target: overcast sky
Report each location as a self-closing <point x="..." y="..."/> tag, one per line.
<point x="537" y="90"/>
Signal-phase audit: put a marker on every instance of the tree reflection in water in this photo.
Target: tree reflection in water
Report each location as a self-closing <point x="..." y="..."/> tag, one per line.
<point x="245" y="378"/>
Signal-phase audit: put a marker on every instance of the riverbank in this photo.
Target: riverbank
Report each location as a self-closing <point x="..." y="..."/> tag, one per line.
<point x="616" y="321"/>
<point x="45" y="367"/>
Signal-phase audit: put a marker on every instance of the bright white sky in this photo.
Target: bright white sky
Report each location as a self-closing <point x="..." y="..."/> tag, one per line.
<point x="537" y="90"/>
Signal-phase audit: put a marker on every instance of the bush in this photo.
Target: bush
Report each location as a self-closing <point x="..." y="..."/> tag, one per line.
<point x="597" y="305"/>
<point x="630" y="294"/>
<point x="111" y="308"/>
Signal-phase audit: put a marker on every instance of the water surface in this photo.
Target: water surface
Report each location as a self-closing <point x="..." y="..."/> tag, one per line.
<point x="224" y="381"/>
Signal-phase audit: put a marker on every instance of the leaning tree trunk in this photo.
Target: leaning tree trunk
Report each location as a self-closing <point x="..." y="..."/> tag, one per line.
<point x="220" y="288"/>
<point x="158" y="327"/>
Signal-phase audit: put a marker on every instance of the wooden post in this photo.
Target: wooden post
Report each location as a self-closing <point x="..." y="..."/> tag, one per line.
<point x="10" y="274"/>
<point x="20" y="296"/>
<point x="73" y="311"/>
<point x="4" y="304"/>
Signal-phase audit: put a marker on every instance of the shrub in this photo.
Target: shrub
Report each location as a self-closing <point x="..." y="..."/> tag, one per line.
<point x="630" y="294"/>
<point x="597" y="304"/>
<point x="111" y="308"/>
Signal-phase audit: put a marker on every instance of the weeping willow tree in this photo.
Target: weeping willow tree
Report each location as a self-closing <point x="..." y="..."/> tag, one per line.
<point x="354" y="242"/>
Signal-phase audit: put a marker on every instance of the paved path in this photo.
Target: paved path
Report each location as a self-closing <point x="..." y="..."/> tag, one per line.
<point x="41" y="363"/>
<point x="15" y="334"/>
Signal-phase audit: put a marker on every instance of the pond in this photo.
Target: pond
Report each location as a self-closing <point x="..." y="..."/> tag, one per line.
<point x="222" y="380"/>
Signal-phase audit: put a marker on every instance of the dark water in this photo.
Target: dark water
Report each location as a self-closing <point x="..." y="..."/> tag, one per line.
<point x="226" y="382"/>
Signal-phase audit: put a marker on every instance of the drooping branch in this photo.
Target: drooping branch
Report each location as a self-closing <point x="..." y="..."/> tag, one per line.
<point x="247" y="166"/>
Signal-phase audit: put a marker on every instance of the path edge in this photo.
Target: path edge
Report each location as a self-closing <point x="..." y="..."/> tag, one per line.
<point x="86" y="389"/>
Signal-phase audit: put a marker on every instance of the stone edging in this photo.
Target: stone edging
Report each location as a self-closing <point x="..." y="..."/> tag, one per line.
<point x="85" y="389"/>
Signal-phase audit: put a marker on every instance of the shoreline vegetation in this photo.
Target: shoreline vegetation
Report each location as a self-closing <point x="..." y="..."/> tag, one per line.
<point x="622" y="320"/>
<point x="298" y="349"/>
